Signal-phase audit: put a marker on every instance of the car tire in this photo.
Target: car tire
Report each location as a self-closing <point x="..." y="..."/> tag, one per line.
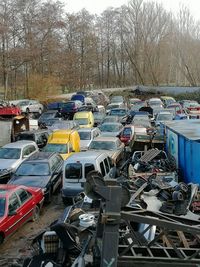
<point x="36" y="214"/>
<point x="1" y="238"/>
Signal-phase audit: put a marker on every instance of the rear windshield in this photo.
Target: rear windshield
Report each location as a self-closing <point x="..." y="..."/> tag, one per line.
<point x="85" y="135"/>
<point x="127" y="132"/>
<point x="26" y="137"/>
<point x="73" y="171"/>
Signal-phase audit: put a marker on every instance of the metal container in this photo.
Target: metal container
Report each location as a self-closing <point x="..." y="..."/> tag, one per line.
<point x="183" y="144"/>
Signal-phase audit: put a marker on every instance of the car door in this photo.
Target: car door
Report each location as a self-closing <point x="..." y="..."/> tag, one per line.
<point x="27" y="205"/>
<point x="14" y="216"/>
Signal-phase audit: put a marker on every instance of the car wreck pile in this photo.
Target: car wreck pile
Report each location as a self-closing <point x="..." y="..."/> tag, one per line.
<point x="142" y="216"/>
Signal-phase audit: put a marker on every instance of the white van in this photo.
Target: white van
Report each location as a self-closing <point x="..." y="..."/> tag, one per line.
<point x="76" y="168"/>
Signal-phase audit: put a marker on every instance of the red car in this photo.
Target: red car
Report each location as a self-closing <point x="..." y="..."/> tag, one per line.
<point x="18" y="204"/>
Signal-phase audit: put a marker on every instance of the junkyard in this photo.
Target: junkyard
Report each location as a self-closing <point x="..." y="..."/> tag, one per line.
<point x="123" y="193"/>
<point x="99" y="133"/>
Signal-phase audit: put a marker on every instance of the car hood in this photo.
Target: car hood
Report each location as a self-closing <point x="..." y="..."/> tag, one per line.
<point x="9" y="163"/>
<point x="109" y="134"/>
<point x="110" y="153"/>
<point x="31" y="181"/>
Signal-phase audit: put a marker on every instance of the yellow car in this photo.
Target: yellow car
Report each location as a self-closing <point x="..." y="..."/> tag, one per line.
<point x="85" y="119"/>
<point x="65" y="142"/>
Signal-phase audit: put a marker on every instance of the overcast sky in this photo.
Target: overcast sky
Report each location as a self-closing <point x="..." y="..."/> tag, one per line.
<point x="97" y="6"/>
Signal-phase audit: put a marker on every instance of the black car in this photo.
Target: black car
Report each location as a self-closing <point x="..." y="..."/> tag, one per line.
<point x="43" y="170"/>
<point x="48" y="115"/>
<point x="38" y="136"/>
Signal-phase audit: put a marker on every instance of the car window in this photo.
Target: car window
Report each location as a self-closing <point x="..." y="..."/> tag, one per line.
<point x="73" y="171"/>
<point x="70" y="148"/>
<point x="32" y="149"/>
<point x="88" y="168"/>
<point x="106" y="165"/>
<point x="13" y="203"/>
<point x="26" y="151"/>
<point x="23" y="195"/>
<point x="102" y="169"/>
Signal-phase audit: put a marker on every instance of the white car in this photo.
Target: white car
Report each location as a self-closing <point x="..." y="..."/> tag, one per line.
<point x="87" y="135"/>
<point x="27" y="106"/>
<point x="13" y="154"/>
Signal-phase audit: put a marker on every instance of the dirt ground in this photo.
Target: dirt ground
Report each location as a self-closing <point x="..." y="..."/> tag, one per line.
<point x="17" y="246"/>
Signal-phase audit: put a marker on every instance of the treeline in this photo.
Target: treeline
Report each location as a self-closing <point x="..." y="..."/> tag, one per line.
<point x="43" y="48"/>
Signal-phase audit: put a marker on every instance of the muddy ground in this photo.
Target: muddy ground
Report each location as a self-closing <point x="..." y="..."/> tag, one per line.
<point x="18" y="245"/>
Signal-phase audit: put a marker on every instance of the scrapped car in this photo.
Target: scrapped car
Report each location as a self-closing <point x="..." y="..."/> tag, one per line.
<point x="40" y="137"/>
<point x="98" y="118"/>
<point x="111" y="119"/>
<point x="189" y="104"/>
<point x="12" y="155"/>
<point x="167" y="100"/>
<point x="127" y="134"/>
<point x="111" y="129"/>
<point x="76" y="169"/>
<point x="18" y="204"/>
<point x="30" y="106"/>
<point x="64" y="142"/>
<point x="43" y="170"/>
<point x="68" y="109"/>
<point x="120" y="112"/>
<point x="163" y="116"/>
<point x="87" y="135"/>
<point x="113" y="105"/>
<point x="155" y="103"/>
<point x="110" y="145"/>
<point x="46" y="116"/>
<point x="64" y="125"/>
<point x="85" y="119"/>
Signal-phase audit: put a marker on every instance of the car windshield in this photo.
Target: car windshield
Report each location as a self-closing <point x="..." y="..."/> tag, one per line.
<point x="60" y="148"/>
<point x="104" y="145"/>
<point x="110" y="128"/>
<point x="85" y="135"/>
<point x="118" y="112"/>
<point x="24" y="136"/>
<point x="144" y="123"/>
<point x="155" y="103"/>
<point x="73" y="171"/>
<point x="82" y="121"/>
<point x="164" y="117"/>
<point x="10" y="153"/>
<point x="33" y="169"/>
<point x="112" y="106"/>
<point x="111" y="119"/>
<point x="98" y="115"/>
<point x="67" y="105"/>
<point x="2" y="206"/>
<point x="47" y="115"/>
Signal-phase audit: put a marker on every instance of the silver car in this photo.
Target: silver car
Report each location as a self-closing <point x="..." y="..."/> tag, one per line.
<point x="13" y="154"/>
<point x="111" y="129"/>
<point x="110" y="145"/>
<point x="27" y="106"/>
<point x="87" y="135"/>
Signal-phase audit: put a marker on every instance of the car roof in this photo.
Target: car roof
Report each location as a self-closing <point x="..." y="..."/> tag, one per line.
<point x="84" y="156"/>
<point x="87" y="129"/>
<point x="105" y="138"/>
<point x="7" y="189"/>
<point x="111" y="123"/>
<point x="40" y="156"/>
<point x="19" y="144"/>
